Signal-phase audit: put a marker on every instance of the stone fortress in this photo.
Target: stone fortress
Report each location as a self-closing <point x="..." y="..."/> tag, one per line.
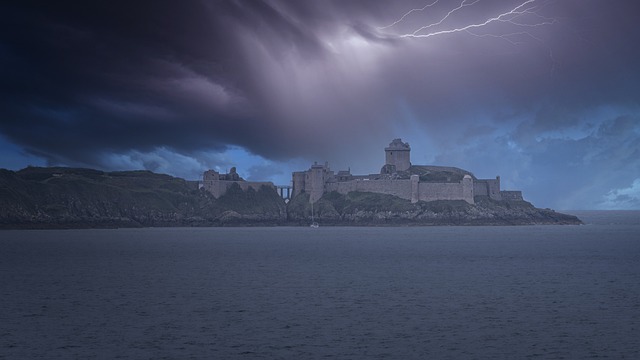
<point x="400" y="178"/>
<point x="397" y="177"/>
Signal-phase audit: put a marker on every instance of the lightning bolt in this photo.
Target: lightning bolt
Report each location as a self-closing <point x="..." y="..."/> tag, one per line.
<point x="407" y="14"/>
<point x="522" y="17"/>
<point x="514" y="17"/>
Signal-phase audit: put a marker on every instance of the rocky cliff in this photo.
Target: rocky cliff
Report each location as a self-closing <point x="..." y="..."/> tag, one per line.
<point x="83" y="198"/>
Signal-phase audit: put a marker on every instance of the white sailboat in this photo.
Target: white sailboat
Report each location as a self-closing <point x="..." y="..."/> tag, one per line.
<point x="314" y="224"/>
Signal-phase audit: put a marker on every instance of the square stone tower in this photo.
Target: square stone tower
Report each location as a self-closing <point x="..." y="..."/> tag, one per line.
<point x="397" y="154"/>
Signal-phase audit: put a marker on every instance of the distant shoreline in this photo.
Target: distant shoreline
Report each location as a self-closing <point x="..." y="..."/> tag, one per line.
<point x="70" y="198"/>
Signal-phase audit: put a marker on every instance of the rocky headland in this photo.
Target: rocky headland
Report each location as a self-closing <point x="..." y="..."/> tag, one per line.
<point x="371" y="209"/>
<point x="84" y="198"/>
<point x="58" y="197"/>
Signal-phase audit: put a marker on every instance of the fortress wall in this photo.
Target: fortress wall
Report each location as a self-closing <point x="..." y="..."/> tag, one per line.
<point x="488" y="187"/>
<point x="399" y="188"/>
<point x="439" y="191"/>
<point x="403" y="189"/>
<point x="511" y="195"/>
<point x="494" y="188"/>
<point x="467" y="189"/>
<point x="480" y="188"/>
<point x="444" y="191"/>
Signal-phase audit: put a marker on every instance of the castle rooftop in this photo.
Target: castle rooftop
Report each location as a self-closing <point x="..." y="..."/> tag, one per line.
<point x="397" y="144"/>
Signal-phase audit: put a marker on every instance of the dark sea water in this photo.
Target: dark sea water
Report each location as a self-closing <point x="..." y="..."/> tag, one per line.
<point x="548" y="292"/>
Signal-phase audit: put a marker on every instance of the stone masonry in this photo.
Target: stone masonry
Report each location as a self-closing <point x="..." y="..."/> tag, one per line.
<point x="218" y="184"/>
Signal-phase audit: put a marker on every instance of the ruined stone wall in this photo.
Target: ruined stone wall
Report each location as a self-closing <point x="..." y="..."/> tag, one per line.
<point x="219" y="187"/>
<point x="399" y="188"/>
<point x="212" y="186"/>
<point x="298" y="179"/>
<point x="211" y="175"/>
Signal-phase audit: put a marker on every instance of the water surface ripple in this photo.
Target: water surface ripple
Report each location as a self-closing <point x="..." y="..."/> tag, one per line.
<point x="551" y="292"/>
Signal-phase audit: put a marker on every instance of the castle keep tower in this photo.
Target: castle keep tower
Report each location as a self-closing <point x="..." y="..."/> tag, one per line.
<point x="312" y="181"/>
<point x="397" y="154"/>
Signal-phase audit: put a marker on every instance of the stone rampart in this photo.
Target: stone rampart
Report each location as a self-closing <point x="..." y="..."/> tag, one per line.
<point x="480" y="188"/>
<point x="487" y="187"/>
<point x="511" y="195"/>
<point x="444" y="191"/>
<point x="399" y="188"/>
<point x="406" y="189"/>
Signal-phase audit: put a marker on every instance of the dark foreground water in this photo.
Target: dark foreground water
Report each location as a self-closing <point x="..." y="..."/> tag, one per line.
<point x="547" y="292"/>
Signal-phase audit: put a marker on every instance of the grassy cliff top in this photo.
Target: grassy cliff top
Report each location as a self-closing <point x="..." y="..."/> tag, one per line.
<point x="80" y="197"/>
<point x="430" y="173"/>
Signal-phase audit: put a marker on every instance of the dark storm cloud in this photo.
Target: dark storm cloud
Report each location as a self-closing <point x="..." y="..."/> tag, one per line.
<point x="110" y="76"/>
<point x="83" y="78"/>
<point x="79" y="79"/>
<point x="152" y="82"/>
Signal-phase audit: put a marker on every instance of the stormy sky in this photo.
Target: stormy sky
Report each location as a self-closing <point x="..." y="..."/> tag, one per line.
<point x="544" y="93"/>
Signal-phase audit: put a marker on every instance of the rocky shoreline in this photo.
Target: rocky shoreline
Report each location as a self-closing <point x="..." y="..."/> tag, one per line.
<point x="369" y="209"/>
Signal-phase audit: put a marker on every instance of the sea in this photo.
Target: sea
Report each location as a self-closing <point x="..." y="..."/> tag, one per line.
<point x="505" y="292"/>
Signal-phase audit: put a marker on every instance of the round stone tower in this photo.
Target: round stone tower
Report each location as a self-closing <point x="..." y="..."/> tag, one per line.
<point x="397" y="154"/>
